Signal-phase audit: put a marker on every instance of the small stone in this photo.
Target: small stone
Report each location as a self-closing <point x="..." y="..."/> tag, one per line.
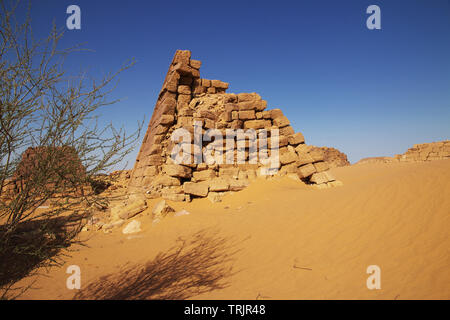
<point x="182" y="213"/>
<point x="161" y="209"/>
<point x="132" y="227"/>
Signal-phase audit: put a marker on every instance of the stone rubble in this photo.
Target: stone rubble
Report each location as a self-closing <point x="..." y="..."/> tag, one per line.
<point x="333" y="157"/>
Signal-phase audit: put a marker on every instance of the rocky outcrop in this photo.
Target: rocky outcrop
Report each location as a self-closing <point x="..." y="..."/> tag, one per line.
<point x="333" y="157"/>
<point x="202" y="109"/>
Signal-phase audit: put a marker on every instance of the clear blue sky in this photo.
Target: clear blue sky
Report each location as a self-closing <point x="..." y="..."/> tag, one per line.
<point x="365" y="92"/>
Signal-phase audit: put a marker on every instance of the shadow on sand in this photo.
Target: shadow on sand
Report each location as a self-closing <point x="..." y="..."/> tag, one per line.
<point x="199" y="264"/>
<point x="33" y="245"/>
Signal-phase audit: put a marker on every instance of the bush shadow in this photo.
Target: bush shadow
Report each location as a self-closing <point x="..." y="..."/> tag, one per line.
<point x="199" y="264"/>
<point x="32" y="245"/>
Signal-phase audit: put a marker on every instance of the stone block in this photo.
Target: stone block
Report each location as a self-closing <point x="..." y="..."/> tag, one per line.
<point x="219" y="184"/>
<point x="176" y="170"/>
<point x="321" y="166"/>
<point x="204" y="175"/>
<point x="296" y="139"/>
<point x="197" y="189"/>
<point x="306" y="171"/>
<point x="196" y="64"/>
<point x="247" y="115"/>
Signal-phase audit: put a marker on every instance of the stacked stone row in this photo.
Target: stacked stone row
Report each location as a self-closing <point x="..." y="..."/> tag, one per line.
<point x="426" y="152"/>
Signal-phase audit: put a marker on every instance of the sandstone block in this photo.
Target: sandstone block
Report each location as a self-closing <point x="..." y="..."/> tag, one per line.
<point x="321" y="166"/>
<point x="305" y="171"/>
<point x="304" y="158"/>
<point x="196" y="189"/>
<point x="266" y="114"/>
<point x="288" y="157"/>
<point x="207" y="114"/>
<point x="184" y="98"/>
<point x="196" y="64"/>
<point x="231" y="107"/>
<point x="289" y="168"/>
<point x="321" y="177"/>
<point x="230" y="172"/>
<point x="316" y="154"/>
<point x="275" y="113"/>
<point x="181" y="56"/>
<point x="197" y="90"/>
<point x="161" y="129"/>
<point x="128" y="211"/>
<point x="219" y="84"/>
<point x="303" y="148"/>
<point x="247" y="114"/>
<point x="286" y="131"/>
<point x="185" y="121"/>
<point x="186" y="70"/>
<point x="257" y="124"/>
<point x="261" y="105"/>
<point x="281" y="121"/>
<point x="176" y="170"/>
<point x="204" y="175"/>
<point x="296" y="139"/>
<point x="247" y="105"/>
<point x="248" y="96"/>
<point x="236" y="124"/>
<point x="219" y="184"/>
<point x="206" y="83"/>
<point x="165" y="180"/>
<point x="167" y="119"/>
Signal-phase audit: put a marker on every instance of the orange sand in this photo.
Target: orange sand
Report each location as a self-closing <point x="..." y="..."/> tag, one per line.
<point x="393" y="215"/>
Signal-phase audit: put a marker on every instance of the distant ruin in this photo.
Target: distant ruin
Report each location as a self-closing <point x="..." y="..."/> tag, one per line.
<point x="439" y="150"/>
<point x="57" y="164"/>
<point x="186" y="99"/>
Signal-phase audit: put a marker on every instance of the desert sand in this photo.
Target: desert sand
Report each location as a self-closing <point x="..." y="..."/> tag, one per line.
<point x="283" y="240"/>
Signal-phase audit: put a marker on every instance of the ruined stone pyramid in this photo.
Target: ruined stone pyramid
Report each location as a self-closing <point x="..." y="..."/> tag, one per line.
<point x="191" y="103"/>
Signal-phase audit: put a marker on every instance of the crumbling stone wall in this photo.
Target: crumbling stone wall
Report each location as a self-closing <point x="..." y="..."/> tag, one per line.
<point x="185" y="98"/>
<point x="333" y="157"/>
<point x="426" y="152"/>
<point x="419" y="152"/>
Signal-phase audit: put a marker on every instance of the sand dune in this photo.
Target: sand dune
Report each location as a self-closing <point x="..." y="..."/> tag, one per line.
<point x="286" y="240"/>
